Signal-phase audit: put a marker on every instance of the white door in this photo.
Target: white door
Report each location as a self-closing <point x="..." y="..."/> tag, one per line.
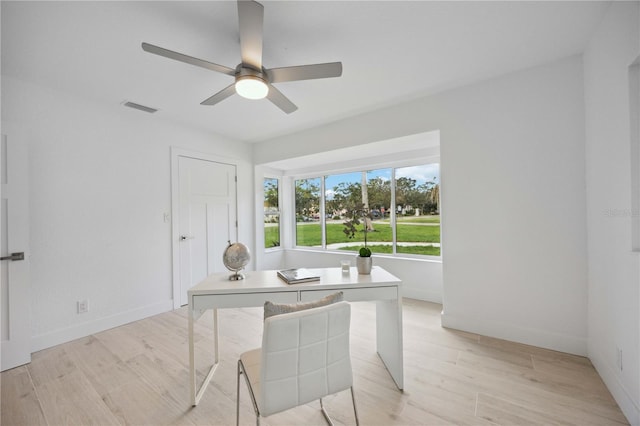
<point x="207" y="218"/>
<point x="14" y="237"/>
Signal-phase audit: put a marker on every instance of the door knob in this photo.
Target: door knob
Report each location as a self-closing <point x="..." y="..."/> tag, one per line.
<point x="14" y="256"/>
<point x="185" y="237"/>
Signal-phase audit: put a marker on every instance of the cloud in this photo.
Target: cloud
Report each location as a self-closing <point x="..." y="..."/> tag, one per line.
<point x="329" y="194"/>
<point x="424" y="173"/>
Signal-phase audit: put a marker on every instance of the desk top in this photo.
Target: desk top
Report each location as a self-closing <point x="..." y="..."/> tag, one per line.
<point x="268" y="281"/>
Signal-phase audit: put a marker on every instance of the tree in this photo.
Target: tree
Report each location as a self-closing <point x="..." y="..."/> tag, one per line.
<point x="307" y="196"/>
<point x="405" y="189"/>
<point x="434" y="196"/>
<point x="365" y="204"/>
<point x="271" y="192"/>
<point x="379" y="191"/>
<point x="344" y="195"/>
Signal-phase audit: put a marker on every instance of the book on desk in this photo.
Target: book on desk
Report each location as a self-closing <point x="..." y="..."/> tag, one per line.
<point x="298" y="275"/>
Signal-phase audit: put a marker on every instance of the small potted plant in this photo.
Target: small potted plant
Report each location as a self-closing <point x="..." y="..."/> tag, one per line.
<point x="363" y="260"/>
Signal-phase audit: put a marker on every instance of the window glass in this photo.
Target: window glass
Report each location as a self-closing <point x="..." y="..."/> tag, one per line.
<point x="307" y="205"/>
<point x="378" y="203"/>
<point x="342" y="196"/>
<point x="271" y="213"/>
<point x="407" y="223"/>
<point x="417" y="208"/>
<point x="363" y="200"/>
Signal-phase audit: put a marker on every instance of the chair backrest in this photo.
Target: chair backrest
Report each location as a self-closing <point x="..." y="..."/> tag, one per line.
<point x="305" y="356"/>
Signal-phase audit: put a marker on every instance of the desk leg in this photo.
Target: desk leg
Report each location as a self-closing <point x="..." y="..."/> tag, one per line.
<point x="192" y="366"/>
<point x="196" y="396"/>
<point x="389" y="338"/>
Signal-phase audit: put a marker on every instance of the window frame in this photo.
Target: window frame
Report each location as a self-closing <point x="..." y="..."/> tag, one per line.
<point x="280" y="209"/>
<point x="322" y="173"/>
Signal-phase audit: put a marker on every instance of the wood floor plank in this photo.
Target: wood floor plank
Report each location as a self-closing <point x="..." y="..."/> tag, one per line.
<point x="136" y="403"/>
<point x="51" y="364"/>
<point x="103" y="368"/>
<point x="19" y="399"/>
<point x="122" y="342"/>
<point x="72" y="400"/>
<point x="500" y="411"/>
<point x="138" y="374"/>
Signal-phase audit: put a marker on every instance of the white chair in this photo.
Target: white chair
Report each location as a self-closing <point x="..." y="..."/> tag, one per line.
<point x="304" y="357"/>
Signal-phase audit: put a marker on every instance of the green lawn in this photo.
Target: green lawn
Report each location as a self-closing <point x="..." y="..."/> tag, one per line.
<point x="309" y="234"/>
<point x="271" y="236"/>
<point x="419" y="219"/>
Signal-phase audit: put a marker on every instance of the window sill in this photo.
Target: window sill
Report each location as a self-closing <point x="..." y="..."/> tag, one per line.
<point x="425" y="259"/>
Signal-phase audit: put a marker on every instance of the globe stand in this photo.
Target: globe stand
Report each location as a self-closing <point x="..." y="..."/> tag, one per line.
<point x="236" y="276"/>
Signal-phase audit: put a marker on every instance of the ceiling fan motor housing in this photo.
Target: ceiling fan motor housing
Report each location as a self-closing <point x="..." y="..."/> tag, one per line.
<point x="243" y="71"/>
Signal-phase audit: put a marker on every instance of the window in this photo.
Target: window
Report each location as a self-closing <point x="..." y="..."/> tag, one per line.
<point x="271" y="213"/>
<point x="342" y="194"/>
<point x="400" y="208"/>
<point x="417" y="207"/>
<point x="365" y="196"/>
<point x="307" y="199"/>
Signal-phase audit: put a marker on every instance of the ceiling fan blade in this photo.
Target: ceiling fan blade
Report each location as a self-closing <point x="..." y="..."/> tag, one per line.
<point x="280" y="100"/>
<point x="250" y="18"/>
<point x="220" y="96"/>
<point x="305" y="72"/>
<point x="188" y="59"/>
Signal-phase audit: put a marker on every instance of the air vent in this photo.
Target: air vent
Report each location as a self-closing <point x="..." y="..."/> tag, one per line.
<point x="140" y="107"/>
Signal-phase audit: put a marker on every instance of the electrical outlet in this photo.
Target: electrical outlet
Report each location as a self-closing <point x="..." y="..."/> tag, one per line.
<point x="83" y="306"/>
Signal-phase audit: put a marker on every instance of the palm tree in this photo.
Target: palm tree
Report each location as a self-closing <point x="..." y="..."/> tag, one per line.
<point x="434" y="196"/>
<point x="365" y="203"/>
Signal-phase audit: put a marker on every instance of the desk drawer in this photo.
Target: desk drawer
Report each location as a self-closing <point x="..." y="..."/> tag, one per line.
<point x="242" y="300"/>
<point x="354" y="294"/>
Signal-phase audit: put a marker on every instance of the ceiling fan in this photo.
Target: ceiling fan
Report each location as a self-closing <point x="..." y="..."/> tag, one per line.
<point x="252" y="80"/>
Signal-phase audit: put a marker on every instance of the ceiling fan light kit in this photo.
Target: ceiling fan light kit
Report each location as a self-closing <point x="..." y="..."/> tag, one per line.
<point x="251" y="87"/>
<point x="252" y="80"/>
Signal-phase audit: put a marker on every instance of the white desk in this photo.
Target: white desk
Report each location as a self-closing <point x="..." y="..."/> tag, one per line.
<point x="217" y="291"/>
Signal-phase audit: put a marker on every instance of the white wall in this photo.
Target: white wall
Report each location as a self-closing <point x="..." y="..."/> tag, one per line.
<point x="513" y="197"/>
<point x="614" y="297"/>
<point x="100" y="186"/>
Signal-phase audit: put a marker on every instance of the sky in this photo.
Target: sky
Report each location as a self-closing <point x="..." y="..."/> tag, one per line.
<point x="422" y="174"/>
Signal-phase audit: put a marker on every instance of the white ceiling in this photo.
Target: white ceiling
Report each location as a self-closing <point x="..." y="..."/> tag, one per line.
<point x="391" y="51"/>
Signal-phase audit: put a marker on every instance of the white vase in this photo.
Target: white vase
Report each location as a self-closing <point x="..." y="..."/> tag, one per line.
<point x="364" y="264"/>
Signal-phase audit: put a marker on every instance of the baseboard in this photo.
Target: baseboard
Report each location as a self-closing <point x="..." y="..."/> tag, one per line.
<point x="529" y="336"/>
<point x="74" y="332"/>
<point x="420" y="294"/>
<point x="629" y="407"/>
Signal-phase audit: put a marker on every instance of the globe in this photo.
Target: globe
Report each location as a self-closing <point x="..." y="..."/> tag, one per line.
<point x="235" y="257"/>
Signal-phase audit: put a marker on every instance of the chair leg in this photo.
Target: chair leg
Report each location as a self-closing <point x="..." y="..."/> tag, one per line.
<point x="238" y="396"/>
<point x="355" y="410"/>
<point x="253" y="398"/>
<point x="325" y="414"/>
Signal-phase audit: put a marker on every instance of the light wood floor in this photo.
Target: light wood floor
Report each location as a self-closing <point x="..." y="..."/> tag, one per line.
<point x="137" y="374"/>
